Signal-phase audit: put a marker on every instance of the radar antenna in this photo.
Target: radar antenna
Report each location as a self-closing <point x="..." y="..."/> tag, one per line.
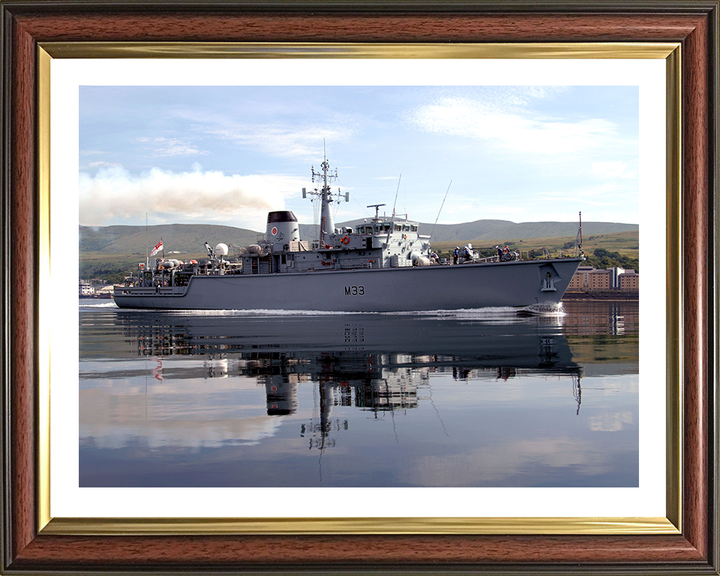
<point x="377" y="210"/>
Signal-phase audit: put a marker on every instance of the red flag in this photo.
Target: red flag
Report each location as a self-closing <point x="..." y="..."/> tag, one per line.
<point x="157" y="248"/>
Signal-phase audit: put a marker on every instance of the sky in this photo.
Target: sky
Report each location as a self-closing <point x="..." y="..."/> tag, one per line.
<point x="229" y="154"/>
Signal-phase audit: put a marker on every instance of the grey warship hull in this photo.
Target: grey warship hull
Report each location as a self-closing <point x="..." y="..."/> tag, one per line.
<point x="442" y="287"/>
<point x="382" y="264"/>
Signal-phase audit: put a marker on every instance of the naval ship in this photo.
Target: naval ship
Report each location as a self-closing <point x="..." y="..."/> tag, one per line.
<point x="382" y="264"/>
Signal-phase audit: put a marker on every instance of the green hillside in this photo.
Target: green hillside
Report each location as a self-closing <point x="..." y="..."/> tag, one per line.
<point x="492" y="229"/>
<point x="624" y="242"/>
<point x="480" y="230"/>
<point x="183" y="238"/>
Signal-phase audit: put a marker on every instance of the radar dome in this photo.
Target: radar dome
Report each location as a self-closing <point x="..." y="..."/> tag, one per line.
<point x="221" y="249"/>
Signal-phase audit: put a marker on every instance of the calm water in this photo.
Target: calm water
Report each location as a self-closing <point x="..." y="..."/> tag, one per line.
<point x="482" y="398"/>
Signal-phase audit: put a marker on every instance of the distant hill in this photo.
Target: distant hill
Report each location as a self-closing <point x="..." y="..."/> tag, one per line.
<point x="190" y="238"/>
<point x="498" y="229"/>
<point x="184" y="238"/>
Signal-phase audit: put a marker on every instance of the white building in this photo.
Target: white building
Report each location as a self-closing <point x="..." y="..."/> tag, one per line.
<point x="86" y="288"/>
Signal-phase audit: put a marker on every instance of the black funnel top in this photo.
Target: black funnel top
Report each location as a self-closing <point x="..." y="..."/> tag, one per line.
<point x="281" y="216"/>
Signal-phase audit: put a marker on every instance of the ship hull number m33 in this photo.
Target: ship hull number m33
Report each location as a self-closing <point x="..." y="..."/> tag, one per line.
<point x="354" y="290"/>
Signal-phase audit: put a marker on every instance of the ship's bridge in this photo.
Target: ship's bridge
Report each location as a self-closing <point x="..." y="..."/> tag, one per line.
<point x="385" y="226"/>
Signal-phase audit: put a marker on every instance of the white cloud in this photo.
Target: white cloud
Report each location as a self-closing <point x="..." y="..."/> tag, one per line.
<point x="160" y="146"/>
<point x="510" y="126"/>
<point x="304" y="142"/>
<point x="100" y="164"/>
<point x="298" y="139"/>
<point x="115" y="194"/>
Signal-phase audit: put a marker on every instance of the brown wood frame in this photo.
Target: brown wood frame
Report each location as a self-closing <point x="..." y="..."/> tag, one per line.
<point x="692" y="23"/>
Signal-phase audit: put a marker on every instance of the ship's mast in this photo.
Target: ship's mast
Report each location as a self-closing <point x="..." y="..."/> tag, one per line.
<point x="327" y="225"/>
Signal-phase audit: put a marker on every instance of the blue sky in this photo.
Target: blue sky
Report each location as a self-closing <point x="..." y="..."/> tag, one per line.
<point x="228" y="155"/>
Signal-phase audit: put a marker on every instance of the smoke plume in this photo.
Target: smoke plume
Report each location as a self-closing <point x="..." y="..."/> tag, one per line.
<point x="115" y="196"/>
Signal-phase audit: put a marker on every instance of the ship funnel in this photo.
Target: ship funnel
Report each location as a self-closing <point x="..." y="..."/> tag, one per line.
<point x="282" y="227"/>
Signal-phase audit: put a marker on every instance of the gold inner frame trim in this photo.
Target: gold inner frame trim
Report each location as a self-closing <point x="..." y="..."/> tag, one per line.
<point x="44" y="296"/>
<point x="394" y="525"/>
<point x="567" y="50"/>
<point x="674" y="294"/>
<point x="335" y="526"/>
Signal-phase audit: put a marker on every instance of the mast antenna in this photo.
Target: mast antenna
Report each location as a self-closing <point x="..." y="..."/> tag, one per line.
<point x="441" y="207"/>
<point x="396" y="195"/>
<point x="580" y="251"/>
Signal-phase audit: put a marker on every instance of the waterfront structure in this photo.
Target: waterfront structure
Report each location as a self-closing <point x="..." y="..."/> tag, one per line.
<point x="590" y="279"/>
<point x="86" y="288"/>
<point x="629" y="281"/>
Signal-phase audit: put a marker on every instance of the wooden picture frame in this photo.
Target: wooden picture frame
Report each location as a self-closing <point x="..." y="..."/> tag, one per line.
<point x="29" y="547"/>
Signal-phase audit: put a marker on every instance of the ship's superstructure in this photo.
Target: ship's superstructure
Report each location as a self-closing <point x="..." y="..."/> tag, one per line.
<point x="381" y="264"/>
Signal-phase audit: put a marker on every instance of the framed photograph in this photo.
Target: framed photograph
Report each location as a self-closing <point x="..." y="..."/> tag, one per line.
<point x="648" y="503"/>
<point x="335" y="381"/>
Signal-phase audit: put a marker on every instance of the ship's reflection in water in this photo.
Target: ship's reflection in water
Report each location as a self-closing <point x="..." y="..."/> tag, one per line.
<point x="467" y="399"/>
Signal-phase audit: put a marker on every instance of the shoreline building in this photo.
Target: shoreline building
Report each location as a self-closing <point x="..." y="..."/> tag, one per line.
<point x="590" y="279"/>
<point x="629" y="281"/>
<point x="86" y="288"/>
